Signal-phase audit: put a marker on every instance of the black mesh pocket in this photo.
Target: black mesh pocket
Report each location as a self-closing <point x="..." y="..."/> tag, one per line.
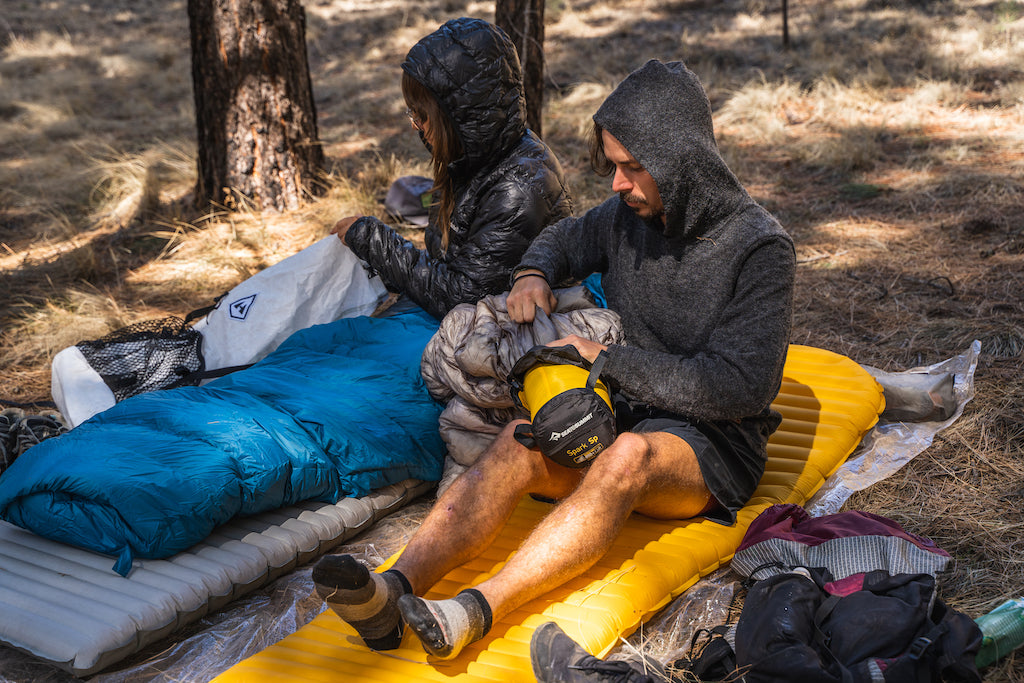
<point x="149" y="355"/>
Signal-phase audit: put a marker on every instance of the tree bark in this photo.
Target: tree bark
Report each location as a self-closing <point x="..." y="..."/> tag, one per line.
<point x="523" y="21"/>
<point x="785" y="24"/>
<point x="255" y="116"/>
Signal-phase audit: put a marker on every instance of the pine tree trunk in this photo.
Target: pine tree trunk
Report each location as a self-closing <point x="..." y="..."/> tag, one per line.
<point x="255" y="115"/>
<point x="523" y="21"/>
<point x="785" y="24"/>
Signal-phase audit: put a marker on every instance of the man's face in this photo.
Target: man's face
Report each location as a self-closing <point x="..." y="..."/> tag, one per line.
<point x="633" y="183"/>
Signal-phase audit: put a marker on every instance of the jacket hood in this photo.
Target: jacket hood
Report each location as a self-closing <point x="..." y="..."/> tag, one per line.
<point x="472" y="68"/>
<point x="661" y="114"/>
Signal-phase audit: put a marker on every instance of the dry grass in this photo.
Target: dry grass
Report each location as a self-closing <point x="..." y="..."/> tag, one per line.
<point x="889" y="140"/>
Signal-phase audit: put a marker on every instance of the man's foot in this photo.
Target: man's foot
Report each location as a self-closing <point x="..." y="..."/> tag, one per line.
<point x="557" y="658"/>
<point x="446" y="626"/>
<point x="365" y="600"/>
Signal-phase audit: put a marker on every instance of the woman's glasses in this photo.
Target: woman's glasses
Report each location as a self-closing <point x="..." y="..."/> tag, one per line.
<point x="417" y="122"/>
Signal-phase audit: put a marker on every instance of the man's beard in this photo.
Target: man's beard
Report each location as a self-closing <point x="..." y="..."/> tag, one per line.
<point x="632" y="198"/>
<point x="628" y="198"/>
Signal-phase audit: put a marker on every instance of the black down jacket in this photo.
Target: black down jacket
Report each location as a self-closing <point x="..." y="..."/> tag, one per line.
<point x="508" y="184"/>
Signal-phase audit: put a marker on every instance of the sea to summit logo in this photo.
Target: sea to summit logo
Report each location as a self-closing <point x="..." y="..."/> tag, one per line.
<point x="555" y="436"/>
<point x="240" y="309"/>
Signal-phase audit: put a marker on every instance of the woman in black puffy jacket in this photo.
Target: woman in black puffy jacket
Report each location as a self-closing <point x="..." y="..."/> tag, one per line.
<point x="496" y="184"/>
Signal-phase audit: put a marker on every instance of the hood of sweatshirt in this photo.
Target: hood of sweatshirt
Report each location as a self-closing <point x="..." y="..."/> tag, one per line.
<point x="662" y="115"/>
<point x="472" y="68"/>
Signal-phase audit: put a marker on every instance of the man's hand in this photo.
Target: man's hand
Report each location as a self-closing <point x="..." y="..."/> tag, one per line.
<point x="527" y="294"/>
<point x="587" y="348"/>
<point x="341" y="227"/>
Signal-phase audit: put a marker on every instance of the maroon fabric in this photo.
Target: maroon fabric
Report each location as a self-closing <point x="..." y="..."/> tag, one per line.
<point x="792" y="523"/>
<point x="844" y="587"/>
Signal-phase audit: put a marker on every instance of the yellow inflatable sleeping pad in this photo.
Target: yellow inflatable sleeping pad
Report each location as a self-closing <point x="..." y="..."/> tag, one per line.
<point x="827" y="401"/>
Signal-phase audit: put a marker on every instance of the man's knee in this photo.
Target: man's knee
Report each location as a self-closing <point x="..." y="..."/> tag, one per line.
<point x="624" y="464"/>
<point x="506" y="450"/>
<point x="644" y="460"/>
<point x="506" y="445"/>
<point x="630" y="450"/>
<point x="507" y="432"/>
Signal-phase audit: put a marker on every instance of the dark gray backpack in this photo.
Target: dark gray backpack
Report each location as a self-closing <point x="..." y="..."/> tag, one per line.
<point x="846" y="598"/>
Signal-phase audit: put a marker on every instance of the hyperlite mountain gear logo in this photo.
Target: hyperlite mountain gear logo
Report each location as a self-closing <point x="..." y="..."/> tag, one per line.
<point x="240" y="309"/>
<point x="555" y="436"/>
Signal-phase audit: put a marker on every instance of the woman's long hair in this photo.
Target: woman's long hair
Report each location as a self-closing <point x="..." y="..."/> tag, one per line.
<point x="444" y="148"/>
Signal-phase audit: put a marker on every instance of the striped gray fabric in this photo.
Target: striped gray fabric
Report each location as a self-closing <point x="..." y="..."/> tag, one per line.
<point x="843" y="556"/>
<point x="66" y="606"/>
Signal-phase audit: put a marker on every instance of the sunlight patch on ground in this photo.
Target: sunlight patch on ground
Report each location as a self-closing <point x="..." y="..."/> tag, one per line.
<point x="44" y="45"/>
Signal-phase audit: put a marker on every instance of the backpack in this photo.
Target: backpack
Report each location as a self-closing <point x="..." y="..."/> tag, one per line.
<point x="845" y="598"/>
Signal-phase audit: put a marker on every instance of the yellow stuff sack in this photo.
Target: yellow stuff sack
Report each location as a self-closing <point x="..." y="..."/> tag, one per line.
<point x="571" y="413"/>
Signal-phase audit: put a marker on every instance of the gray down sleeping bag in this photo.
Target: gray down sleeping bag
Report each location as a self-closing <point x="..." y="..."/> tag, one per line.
<point x="337" y="410"/>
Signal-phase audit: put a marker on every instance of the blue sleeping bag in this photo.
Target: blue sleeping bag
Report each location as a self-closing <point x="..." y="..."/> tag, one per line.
<point x="337" y="410"/>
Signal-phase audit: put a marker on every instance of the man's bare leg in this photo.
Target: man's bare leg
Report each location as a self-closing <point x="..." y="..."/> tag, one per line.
<point x="656" y="474"/>
<point x="461" y="525"/>
<point x="472" y="511"/>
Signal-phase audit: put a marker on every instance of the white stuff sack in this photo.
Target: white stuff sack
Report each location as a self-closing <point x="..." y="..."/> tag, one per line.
<point x="322" y="283"/>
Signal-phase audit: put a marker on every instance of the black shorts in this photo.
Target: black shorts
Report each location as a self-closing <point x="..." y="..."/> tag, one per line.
<point x="731" y="458"/>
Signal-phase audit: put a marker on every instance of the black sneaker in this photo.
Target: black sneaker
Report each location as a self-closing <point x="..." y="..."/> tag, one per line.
<point x="33" y="429"/>
<point x="9" y="419"/>
<point x="557" y="658"/>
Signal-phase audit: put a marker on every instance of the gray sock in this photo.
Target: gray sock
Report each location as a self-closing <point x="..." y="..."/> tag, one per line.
<point x="446" y="626"/>
<point x="365" y="600"/>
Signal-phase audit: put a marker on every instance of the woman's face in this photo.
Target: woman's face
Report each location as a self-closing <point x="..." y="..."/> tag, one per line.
<point x="422" y="126"/>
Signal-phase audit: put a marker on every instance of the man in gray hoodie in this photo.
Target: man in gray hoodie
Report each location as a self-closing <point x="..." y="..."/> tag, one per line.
<point x="702" y="277"/>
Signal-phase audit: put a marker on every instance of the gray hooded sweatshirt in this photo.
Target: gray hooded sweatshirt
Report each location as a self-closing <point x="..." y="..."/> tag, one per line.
<point x="705" y="297"/>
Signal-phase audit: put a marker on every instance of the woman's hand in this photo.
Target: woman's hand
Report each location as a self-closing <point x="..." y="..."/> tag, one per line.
<point x="530" y="290"/>
<point x="341" y="227"/>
